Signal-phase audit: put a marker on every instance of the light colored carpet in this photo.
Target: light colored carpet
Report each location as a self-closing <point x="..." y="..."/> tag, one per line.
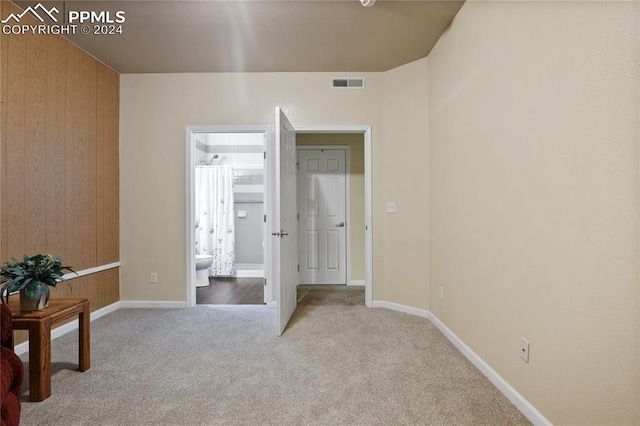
<point x="223" y="365"/>
<point x="330" y="295"/>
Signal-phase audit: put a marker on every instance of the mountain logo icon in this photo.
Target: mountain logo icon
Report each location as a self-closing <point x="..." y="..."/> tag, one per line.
<point x="34" y="11"/>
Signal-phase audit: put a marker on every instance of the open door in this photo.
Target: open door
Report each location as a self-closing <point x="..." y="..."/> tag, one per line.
<point x="285" y="253"/>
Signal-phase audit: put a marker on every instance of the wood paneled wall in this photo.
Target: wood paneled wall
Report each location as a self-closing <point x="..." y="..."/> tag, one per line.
<point x="59" y="182"/>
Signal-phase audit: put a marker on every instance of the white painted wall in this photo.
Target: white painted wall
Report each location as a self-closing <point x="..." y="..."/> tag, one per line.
<point x="534" y="125"/>
<point x="405" y="168"/>
<point x="156" y="108"/>
<point x="154" y="111"/>
<point x="512" y="156"/>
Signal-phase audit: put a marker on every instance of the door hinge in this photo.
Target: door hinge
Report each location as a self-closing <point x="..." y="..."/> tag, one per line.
<point x="265" y="218"/>
<point x="298" y="268"/>
<point x="298" y="217"/>
<point x="265" y="155"/>
<point x="265" y="282"/>
<point x="298" y="166"/>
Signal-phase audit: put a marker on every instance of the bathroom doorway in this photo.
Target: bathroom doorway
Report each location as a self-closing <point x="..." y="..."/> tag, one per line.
<point x="227" y="174"/>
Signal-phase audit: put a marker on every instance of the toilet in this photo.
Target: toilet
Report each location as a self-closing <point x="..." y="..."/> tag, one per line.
<point x="203" y="261"/>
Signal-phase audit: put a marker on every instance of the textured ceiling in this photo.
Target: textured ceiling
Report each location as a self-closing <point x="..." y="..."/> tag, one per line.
<point x="265" y="36"/>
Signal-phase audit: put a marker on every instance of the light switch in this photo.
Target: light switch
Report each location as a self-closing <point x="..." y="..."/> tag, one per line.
<point x="242" y="213"/>
<point x="391" y="207"/>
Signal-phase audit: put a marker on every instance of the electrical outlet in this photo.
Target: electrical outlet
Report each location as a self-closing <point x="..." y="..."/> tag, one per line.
<point x="441" y="293"/>
<point x="524" y="349"/>
<point x="391" y="207"/>
<point x="154" y="278"/>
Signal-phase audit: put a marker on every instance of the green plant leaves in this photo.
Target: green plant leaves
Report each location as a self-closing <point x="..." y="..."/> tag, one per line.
<point x="34" y="275"/>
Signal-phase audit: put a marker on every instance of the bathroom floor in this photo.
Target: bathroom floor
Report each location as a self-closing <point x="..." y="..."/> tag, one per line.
<point x="231" y="291"/>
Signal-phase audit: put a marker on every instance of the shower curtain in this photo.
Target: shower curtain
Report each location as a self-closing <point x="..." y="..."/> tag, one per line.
<point x="215" y="226"/>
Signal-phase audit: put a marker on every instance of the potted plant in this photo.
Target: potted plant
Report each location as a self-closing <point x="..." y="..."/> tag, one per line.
<point x="32" y="278"/>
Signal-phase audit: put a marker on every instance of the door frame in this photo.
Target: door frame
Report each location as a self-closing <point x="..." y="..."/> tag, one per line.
<point x="365" y="130"/>
<point x="347" y="204"/>
<point x="268" y="189"/>
<point x="190" y="167"/>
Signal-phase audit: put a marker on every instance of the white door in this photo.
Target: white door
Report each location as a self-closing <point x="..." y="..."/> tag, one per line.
<point x="285" y="223"/>
<point x="322" y="207"/>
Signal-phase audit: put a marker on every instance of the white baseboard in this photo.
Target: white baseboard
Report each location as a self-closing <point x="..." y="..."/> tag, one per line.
<point x="70" y="326"/>
<point x="249" y="273"/>
<point x="356" y="283"/>
<point x="507" y="390"/>
<point x="503" y="386"/>
<point x="152" y="304"/>
<point x="99" y="313"/>
<point x="401" y="308"/>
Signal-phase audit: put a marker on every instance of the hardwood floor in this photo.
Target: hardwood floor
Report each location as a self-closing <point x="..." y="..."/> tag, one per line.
<point x="231" y="291"/>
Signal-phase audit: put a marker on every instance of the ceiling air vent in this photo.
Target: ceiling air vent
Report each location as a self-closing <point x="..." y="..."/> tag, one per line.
<point x="348" y="83"/>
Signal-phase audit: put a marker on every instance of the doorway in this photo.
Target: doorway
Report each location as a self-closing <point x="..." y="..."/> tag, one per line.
<point x="349" y="230"/>
<point x="358" y="199"/>
<point x="226" y="210"/>
<point x="273" y="292"/>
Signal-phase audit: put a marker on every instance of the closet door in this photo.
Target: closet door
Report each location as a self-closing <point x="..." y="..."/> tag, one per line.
<point x="322" y="206"/>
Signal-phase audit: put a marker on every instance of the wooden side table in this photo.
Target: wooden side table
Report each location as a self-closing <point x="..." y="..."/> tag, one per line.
<point x="39" y="325"/>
